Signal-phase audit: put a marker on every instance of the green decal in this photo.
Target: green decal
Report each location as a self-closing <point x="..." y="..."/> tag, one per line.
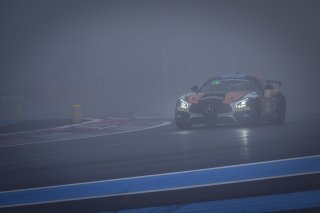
<point x="215" y="82"/>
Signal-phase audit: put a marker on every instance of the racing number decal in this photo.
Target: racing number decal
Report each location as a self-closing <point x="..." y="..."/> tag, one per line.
<point x="215" y="82"/>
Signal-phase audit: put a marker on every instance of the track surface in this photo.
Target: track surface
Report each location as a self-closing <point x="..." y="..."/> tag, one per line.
<point x="164" y="149"/>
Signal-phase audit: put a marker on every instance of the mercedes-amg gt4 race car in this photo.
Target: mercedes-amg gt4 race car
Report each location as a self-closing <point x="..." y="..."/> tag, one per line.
<point x="232" y="99"/>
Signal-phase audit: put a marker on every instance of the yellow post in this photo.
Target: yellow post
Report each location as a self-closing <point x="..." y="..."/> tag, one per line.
<point x="76" y="113"/>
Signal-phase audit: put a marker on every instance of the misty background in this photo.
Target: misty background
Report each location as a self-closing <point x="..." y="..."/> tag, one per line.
<point x="123" y="56"/>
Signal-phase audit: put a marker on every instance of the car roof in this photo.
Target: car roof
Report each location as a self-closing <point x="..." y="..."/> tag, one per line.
<point x="237" y="76"/>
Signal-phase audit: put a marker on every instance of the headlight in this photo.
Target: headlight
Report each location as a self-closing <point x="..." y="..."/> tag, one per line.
<point x="182" y="105"/>
<point x="242" y="104"/>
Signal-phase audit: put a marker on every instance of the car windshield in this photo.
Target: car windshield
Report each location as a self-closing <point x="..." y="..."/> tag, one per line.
<point x="229" y="84"/>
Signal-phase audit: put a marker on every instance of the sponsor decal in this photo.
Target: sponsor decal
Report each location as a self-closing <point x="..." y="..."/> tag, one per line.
<point x="270" y="100"/>
<point x="194" y="98"/>
<point x="215" y="82"/>
<point x="234" y="96"/>
<point x="252" y="95"/>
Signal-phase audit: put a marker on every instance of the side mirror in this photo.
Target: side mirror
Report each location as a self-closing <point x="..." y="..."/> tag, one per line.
<point x="195" y="88"/>
<point x="269" y="87"/>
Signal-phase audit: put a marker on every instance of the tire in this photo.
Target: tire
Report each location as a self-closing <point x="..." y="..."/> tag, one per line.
<point x="280" y="112"/>
<point x="183" y="122"/>
<point x="255" y="112"/>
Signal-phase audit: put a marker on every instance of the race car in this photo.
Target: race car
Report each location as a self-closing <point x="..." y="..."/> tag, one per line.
<point x="233" y="98"/>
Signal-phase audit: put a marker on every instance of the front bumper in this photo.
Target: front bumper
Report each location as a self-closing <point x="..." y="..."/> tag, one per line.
<point x="232" y="117"/>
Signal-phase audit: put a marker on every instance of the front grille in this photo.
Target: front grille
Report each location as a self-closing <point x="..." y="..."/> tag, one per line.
<point x="218" y="107"/>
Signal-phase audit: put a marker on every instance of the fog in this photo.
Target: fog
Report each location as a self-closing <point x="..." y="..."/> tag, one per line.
<point x="127" y="56"/>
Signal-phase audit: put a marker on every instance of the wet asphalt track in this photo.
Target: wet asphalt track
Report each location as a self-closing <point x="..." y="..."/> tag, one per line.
<point x="161" y="150"/>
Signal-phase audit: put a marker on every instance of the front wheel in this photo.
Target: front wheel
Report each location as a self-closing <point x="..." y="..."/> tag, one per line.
<point x="183" y="124"/>
<point x="255" y="111"/>
<point x="182" y="121"/>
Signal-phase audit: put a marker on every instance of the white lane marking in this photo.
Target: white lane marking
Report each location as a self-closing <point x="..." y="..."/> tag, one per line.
<point x="102" y="128"/>
<point x="171" y="173"/>
<point x="161" y="189"/>
<point x="53" y="128"/>
<point x="51" y="134"/>
<point x="71" y="125"/>
<point x="142" y="117"/>
<point x="84" y="137"/>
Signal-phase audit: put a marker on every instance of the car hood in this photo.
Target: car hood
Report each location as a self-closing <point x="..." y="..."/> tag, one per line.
<point x="226" y="97"/>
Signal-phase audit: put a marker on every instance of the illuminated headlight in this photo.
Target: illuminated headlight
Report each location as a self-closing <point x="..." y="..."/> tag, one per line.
<point x="182" y="105"/>
<point x="242" y="104"/>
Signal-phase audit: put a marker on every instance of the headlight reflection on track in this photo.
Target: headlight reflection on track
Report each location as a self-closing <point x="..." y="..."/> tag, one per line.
<point x="184" y="139"/>
<point x="243" y="135"/>
<point x="183" y="132"/>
